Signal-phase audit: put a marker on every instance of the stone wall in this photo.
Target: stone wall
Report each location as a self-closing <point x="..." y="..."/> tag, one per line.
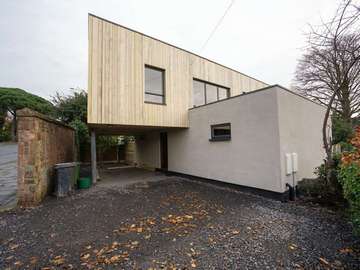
<point x="42" y="142"/>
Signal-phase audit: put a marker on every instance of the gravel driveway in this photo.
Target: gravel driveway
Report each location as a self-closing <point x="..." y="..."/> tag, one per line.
<point x="174" y="224"/>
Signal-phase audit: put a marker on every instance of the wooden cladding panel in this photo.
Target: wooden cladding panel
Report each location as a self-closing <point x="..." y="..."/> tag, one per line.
<point x="117" y="57"/>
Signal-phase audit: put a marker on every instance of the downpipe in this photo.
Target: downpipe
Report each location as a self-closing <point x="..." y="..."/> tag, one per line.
<point x="292" y="192"/>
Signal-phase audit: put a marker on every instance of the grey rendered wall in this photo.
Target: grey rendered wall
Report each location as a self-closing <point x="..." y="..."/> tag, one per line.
<point x="147" y="150"/>
<point x="250" y="158"/>
<point x="300" y="123"/>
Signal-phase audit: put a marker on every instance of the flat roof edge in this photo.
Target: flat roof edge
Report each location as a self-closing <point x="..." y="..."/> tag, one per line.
<point x="299" y="95"/>
<point x="260" y="90"/>
<point x="138" y="32"/>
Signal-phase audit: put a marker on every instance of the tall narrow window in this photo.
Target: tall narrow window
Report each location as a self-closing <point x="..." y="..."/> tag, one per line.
<point x="211" y="93"/>
<point x="198" y="93"/>
<point x="204" y="92"/>
<point x="154" y="85"/>
<point x="223" y="93"/>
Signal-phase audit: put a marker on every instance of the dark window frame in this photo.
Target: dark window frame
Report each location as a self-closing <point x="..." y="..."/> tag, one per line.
<point x="220" y="137"/>
<point x="217" y="91"/>
<point x="163" y="84"/>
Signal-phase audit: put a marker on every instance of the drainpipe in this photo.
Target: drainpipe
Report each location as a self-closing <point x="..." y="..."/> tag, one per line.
<point x="294" y="161"/>
<point x="291" y="169"/>
<point x="291" y="192"/>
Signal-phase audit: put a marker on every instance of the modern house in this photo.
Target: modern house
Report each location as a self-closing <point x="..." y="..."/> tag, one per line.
<point x="196" y="117"/>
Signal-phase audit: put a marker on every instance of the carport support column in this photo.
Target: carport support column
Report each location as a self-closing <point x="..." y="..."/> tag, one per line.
<point x="93" y="157"/>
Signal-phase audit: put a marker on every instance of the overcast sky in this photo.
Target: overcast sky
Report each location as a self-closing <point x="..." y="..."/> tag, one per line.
<point x="43" y="43"/>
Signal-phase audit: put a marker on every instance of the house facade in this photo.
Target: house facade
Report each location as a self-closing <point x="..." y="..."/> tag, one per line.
<point x="195" y="117"/>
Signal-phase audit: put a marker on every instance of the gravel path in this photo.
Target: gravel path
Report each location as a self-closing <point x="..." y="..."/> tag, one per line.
<point x="174" y="224"/>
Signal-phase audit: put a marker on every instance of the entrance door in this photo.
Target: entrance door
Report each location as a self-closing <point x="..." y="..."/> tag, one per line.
<point x="164" y="150"/>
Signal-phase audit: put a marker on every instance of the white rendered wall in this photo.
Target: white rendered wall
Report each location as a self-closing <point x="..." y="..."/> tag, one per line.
<point x="251" y="158"/>
<point x="148" y="150"/>
<point x="300" y="126"/>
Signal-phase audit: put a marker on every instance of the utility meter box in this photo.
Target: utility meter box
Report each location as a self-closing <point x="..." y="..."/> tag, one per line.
<point x="288" y="161"/>
<point x="294" y="159"/>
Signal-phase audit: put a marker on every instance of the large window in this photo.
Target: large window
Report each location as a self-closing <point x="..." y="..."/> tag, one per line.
<point x="204" y="93"/>
<point x="154" y="85"/>
<point x="221" y="132"/>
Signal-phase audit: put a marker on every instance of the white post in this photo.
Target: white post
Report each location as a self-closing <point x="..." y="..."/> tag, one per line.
<point x="93" y="157"/>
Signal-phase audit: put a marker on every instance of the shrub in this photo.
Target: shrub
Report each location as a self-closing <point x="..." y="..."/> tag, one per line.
<point x="334" y="186"/>
<point x="349" y="177"/>
<point x="350" y="180"/>
<point x="5" y="135"/>
<point x="5" y="132"/>
<point x="82" y="137"/>
<point x="342" y="130"/>
<point x="312" y="187"/>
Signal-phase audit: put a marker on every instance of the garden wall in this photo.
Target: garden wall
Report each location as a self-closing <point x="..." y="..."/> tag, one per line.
<point x="42" y="142"/>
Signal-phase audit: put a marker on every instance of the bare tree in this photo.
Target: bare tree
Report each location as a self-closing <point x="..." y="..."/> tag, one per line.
<point x="329" y="71"/>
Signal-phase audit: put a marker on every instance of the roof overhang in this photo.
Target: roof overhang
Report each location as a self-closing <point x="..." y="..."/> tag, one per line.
<point x="133" y="130"/>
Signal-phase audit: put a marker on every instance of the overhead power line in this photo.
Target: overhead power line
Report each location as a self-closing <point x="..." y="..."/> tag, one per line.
<point x="217" y="25"/>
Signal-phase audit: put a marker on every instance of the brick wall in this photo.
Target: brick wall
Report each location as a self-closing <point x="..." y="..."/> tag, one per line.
<point x="42" y="143"/>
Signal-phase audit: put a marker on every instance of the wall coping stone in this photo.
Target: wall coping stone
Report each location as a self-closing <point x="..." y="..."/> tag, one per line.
<point x="26" y="112"/>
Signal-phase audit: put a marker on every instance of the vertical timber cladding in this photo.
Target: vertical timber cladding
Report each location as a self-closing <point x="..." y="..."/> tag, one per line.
<point x="117" y="57"/>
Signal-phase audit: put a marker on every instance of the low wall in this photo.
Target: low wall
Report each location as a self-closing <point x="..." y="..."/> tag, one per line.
<point x="42" y="142"/>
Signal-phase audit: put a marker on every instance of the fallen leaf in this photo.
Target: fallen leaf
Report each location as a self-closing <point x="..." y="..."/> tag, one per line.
<point x="323" y="261"/>
<point x="346" y="250"/>
<point x="85" y="256"/>
<point x="115" y="244"/>
<point x="58" y="260"/>
<point x="34" y="260"/>
<point x="13" y="246"/>
<point x="18" y="263"/>
<point x="115" y="259"/>
<point x="151" y="221"/>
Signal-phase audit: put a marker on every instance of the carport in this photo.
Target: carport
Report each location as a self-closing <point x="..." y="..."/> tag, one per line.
<point x="151" y="151"/>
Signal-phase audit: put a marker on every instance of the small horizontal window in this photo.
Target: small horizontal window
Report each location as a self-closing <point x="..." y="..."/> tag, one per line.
<point x="154" y="85"/>
<point x="221" y="132"/>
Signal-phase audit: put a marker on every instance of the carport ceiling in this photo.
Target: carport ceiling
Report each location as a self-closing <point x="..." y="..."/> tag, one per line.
<point x="126" y="129"/>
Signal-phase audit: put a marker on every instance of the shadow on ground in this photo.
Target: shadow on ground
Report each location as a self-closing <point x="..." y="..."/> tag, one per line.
<point x="172" y="223"/>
